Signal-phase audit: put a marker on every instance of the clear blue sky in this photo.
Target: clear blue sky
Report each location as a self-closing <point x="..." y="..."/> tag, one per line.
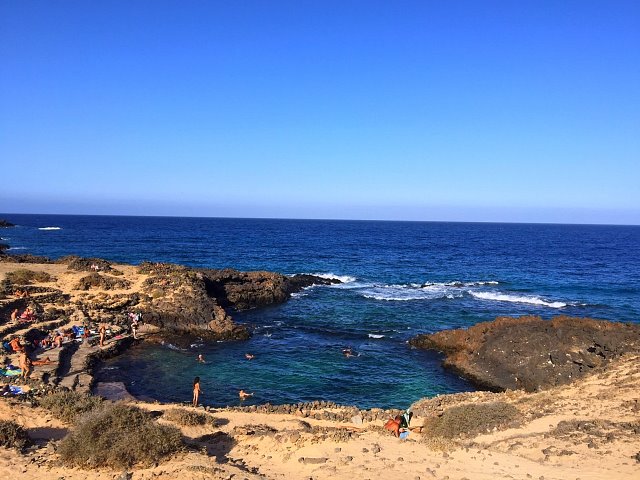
<point x="448" y="110"/>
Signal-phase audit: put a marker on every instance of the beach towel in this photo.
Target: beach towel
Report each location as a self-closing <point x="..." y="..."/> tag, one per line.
<point x="13" y="390"/>
<point x="5" y="372"/>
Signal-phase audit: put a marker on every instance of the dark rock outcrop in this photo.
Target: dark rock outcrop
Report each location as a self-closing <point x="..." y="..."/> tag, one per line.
<point x="185" y="300"/>
<point x="176" y="299"/>
<point x="5" y="224"/>
<point x="80" y="264"/>
<point x="246" y="290"/>
<point x="531" y="353"/>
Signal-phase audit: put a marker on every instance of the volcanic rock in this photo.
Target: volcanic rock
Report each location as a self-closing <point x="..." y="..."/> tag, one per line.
<point x="531" y="353"/>
<point x="5" y="224"/>
<point x="246" y="290"/>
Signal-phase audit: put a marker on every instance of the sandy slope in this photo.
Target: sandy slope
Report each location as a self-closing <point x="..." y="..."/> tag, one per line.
<point x="587" y="430"/>
<point x="273" y="445"/>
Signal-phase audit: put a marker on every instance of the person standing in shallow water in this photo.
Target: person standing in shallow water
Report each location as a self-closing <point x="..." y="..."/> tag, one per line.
<point x="196" y="391"/>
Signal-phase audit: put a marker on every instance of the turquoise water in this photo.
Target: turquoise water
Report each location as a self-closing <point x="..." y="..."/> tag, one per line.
<point x="401" y="279"/>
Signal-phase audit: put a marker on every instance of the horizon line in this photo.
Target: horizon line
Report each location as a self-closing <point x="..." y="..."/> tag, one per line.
<point x="222" y="217"/>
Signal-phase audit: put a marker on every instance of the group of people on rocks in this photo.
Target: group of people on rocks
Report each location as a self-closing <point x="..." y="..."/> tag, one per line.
<point x="28" y="315"/>
<point x="53" y="339"/>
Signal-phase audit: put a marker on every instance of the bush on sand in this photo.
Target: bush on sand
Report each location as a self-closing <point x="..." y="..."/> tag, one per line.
<point x="12" y="435"/>
<point x="188" y="418"/>
<point x="67" y="406"/>
<point x="471" y="419"/>
<point x="118" y="436"/>
<point x="26" y="277"/>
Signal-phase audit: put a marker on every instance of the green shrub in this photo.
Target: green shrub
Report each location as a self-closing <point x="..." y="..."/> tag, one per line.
<point x="188" y="418"/>
<point x="118" y="436"/>
<point x="26" y="277"/>
<point x="95" y="280"/>
<point x="472" y="419"/>
<point x="67" y="406"/>
<point x="13" y="435"/>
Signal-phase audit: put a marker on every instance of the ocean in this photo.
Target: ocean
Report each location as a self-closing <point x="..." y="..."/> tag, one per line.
<point x="400" y="279"/>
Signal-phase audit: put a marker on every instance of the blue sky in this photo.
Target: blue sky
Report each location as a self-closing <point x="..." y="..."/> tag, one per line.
<point x="471" y="111"/>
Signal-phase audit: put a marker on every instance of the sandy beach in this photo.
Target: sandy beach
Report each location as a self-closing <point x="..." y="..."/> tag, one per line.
<point x="589" y="429"/>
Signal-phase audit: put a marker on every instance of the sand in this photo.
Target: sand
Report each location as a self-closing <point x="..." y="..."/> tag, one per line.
<point x="587" y="430"/>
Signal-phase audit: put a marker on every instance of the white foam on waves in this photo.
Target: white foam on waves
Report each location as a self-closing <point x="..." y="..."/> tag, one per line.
<point x="50" y="228"/>
<point x="374" y="335"/>
<point x="505" y="297"/>
<point x="404" y="293"/>
<point x="17" y="248"/>
<point x="458" y="284"/>
<point x="301" y="293"/>
<point x="333" y="276"/>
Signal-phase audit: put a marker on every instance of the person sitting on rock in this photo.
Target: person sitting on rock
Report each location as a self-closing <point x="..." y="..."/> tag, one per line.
<point x="393" y="425"/>
<point x="16" y="345"/>
<point x="14" y="315"/>
<point x="46" y="342"/>
<point x="58" y="339"/>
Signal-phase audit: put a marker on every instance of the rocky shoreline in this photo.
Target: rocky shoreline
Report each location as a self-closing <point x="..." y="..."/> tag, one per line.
<point x="530" y="353"/>
<point x="174" y="298"/>
<point x="586" y="428"/>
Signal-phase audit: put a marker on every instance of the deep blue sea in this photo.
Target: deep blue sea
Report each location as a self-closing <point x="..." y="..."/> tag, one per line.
<point x="401" y="279"/>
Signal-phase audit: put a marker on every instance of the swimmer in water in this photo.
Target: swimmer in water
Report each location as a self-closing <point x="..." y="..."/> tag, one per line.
<point x="249" y="356"/>
<point x="244" y="395"/>
<point x="348" y="352"/>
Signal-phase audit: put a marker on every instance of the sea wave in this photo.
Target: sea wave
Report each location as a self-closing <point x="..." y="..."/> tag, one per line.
<point x="459" y="284"/>
<point x="16" y="248"/>
<point x="301" y="293"/>
<point x="411" y="291"/>
<point x="505" y="297"/>
<point x="333" y="276"/>
<point x="403" y="293"/>
<point x="375" y="335"/>
<point x="50" y="228"/>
